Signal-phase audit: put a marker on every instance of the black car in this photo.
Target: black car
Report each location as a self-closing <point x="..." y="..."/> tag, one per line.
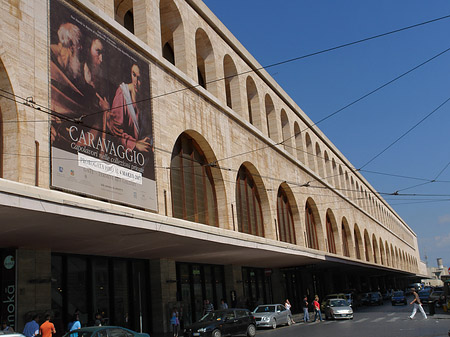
<point x="226" y="322"/>
<point x="375" y="298"/>
<point x="104" y="331"/>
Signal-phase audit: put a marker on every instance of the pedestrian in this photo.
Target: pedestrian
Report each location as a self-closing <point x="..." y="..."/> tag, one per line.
<point x="317" y="312"/>
<point x="417" y="305"/>
<point x="305" y="309"/>
<point x="175" y="322"/>
<point x="288" y="306"/>
<point x="223" y="305"/>
<point x="6" y="327"/>
<point x="75" y="324"/>
<point x="47" y="328"/>
<point x="207" y="307"/>
<point x="98" y="319"/>
<point x="31" y="329"/>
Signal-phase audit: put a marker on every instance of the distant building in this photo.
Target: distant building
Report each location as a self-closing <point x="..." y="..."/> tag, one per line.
<point x="148" y="161"/>
<point x="436" y="275"/>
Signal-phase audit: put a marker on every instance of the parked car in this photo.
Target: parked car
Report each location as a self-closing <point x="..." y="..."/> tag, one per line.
<point x="226" y="322"/>
<point x="438" y="297"/>
<point x="398" y="298"/>
<point x="337" y="308"/>
<point x="375" y="298"/>
<point x="424" y="296"/>
<point x="105" y="331"/>
<point x="10" y="334"/>
<point x="387" y="295"/>
<point x="272" y="315"/>
<point x="330" y="296"/>
<point x="365" y="298"/>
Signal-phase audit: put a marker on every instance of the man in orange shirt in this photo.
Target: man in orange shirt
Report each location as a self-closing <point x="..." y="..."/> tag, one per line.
<point x="47" y="328"/>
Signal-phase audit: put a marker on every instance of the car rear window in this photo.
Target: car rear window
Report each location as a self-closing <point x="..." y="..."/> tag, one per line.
<point x="242" y="313"/>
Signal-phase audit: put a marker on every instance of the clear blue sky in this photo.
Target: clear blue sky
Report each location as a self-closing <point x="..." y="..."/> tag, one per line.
<point x="276" y="31"/>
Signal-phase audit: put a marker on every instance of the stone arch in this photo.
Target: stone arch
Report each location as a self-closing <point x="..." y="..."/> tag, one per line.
<point x="244" y="190"/>
<point x="123" y="13"/>
<point x="298" y="143"/>
<point x="271" y="118"/>
<point x="310" y="152"/>
<point x="335" y="173"/>
<point x="253" y="103"/>
<point x="206" y="67"/>
<point x="232" y="88"/>
<point x="314" y="234"/>
<point x="375" y="249"/>
<point x="285" y="131"/>
<point x="319" y="159"/>
<point x="333" y="242"/>
<point x="327" y="171"/>
<point x="359" y="244"/>
<point x="197" y="191"/>
<point x="172" y="34"/>
<point x="367" y="247"/>
<point x="9" y="127"/>
<point x="346" y="240"/>
<point x="287" y="212"/>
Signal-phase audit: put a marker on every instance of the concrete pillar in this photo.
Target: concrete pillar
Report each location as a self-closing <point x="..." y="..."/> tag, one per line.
<point x="233" y="283"/>
<point x="163" y="293"/>
<point x="33" y="284"/>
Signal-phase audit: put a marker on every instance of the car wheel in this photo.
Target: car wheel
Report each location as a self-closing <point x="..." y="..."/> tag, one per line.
<point x="289" y="320"/>
<point x="274" y="324"/>
<point x="251" y="331"/>
<point x="216" y="333"/>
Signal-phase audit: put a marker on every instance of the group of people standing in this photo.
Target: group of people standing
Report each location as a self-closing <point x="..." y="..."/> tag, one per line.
<point x="32" y="328"/>
<point x="316" y="307"/>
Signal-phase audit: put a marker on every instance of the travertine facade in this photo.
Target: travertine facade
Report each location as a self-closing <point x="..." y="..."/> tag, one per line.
<point x="239" y="117"/>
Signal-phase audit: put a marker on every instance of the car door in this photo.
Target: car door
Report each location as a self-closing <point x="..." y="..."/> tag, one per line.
<point x="243" y="320"/>
<point x="230" y="323"/>
<point x="281" y="314"/>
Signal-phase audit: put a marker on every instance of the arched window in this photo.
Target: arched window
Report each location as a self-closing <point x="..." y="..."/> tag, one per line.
<point x="231" y="84"/>
<point x="311" y="230"/>
<point x="285" y="131"/>
<point x="309" y="152"/>
<point x="270" y="118"/>
<point x="298" y="142"/>
<point x="285" y="218"/>
<point x="345" y="249"/>
<point x="205" y="59"/>
<point x="123" y="12"/>
<point x="172" y="34"/>
<point x="192" y="184"/>
<point x="248" y="204"/>
<point x="253" y="103"/>
<point x="330" y="236"/>
<point x="357" y="235"/>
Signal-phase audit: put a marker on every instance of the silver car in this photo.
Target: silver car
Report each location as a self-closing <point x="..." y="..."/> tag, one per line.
<point x="337" y="308"/>
<point x="272" y="315"/>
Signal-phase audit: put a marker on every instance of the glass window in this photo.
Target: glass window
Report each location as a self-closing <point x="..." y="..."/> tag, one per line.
<point x="248" y="204"/>
<point x="285" y="218"/>
<point x="119" y="333"/>
<point x="100" y="287"/>
<point x="192" y="184"/>
<point x="121" y="295"/>
<point x="330" y="236"/>
<point x="311" y="231"/>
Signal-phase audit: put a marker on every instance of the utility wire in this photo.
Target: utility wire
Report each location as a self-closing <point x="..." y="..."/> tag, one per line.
<point x="404" y="134"/>
<point x="290" y="60"/>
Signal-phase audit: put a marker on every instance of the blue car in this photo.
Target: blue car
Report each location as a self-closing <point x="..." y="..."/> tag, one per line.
<point x="398" y="297"/>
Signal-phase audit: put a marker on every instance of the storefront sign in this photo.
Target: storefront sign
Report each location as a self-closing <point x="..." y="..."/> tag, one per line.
<point x="101" y="128"/>
<point x="8" y="287"/>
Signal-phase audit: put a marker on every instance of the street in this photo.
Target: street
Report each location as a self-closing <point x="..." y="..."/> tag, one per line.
<point x="375" y="321"/>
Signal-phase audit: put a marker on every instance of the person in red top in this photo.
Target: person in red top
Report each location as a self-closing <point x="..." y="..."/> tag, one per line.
<point x="47" y="328"/>
<point x="317" y="312"/>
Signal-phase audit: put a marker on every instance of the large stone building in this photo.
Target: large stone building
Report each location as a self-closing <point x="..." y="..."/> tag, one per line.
<point x="148" y="161"/>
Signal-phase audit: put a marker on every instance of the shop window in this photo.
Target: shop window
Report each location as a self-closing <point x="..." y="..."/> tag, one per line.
<point x="192" y="184"/>
<point x="285" y="218"/>
<point x="248" y="204"/>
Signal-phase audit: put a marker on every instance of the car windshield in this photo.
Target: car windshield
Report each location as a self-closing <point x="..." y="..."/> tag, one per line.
<point x="398" y="293"/>
<point x="265" y="308"/>
<point x="338" y="303"/>
<point x="213" y="316"/>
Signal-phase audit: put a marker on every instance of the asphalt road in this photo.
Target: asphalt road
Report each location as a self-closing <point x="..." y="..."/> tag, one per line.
<point x="375" y="321"/>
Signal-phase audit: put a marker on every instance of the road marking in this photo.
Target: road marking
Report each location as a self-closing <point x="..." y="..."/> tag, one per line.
<point x="378" y="319"/>
<point x="393" y="319"/>
<point x="391" y="314"/>
<point x="361" y="320"/>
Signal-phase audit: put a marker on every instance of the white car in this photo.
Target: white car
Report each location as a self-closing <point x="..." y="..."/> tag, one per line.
<point x="337" y="308"/>
<point x="272" y="315"/>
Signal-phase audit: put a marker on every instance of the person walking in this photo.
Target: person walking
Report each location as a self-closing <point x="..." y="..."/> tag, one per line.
<point x="47" y="328"/>
<point x="31" y="329"/>
<point x="317" y="312"/>
<point x="417" y="305"/>
<point x="223" y="305"/>
<point x="305" y="309"/>
<point x="175" y="322"/>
